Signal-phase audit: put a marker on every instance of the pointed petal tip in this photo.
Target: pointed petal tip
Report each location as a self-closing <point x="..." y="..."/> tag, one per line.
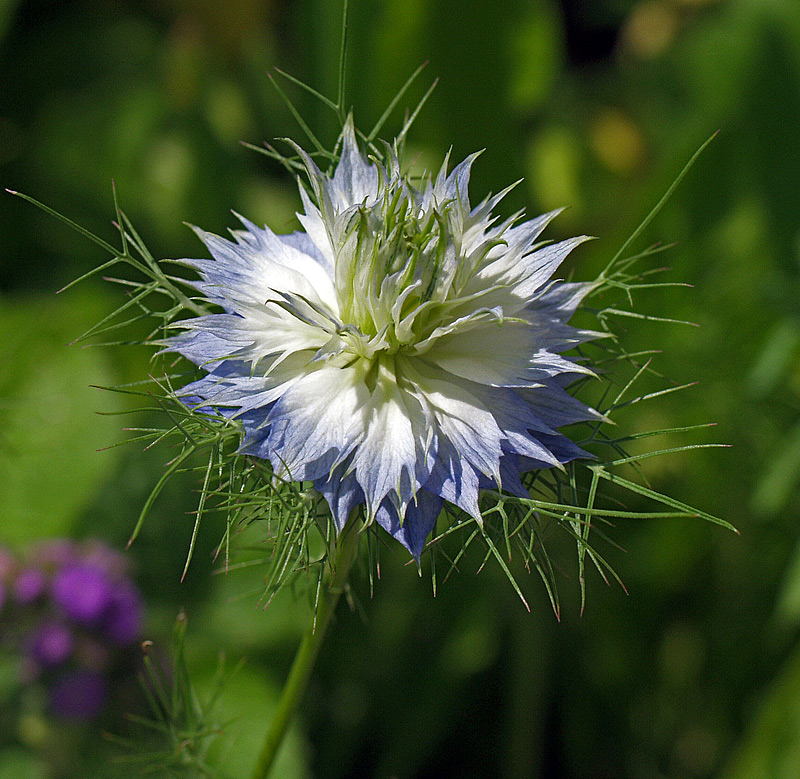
<point x="245" y="221"/>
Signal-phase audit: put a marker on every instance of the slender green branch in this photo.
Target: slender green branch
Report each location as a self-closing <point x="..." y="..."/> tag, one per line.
<point x="334" y="581"/>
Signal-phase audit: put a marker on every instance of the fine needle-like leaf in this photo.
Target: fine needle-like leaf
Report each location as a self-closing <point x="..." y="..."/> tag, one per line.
<point x="313" y="92"/>
<point x="299" y="119"/>
<point x="647" y="317"/>
<point x="66" y="220"/>
<point x="199" y="513"/>
<point x="672" y="450"/>
<point x="340" y="91"/>
<point x="373" y="133"/>
<point x="510" y="576"/>
<point x="659" y="497"/>
<point x="408" y="122"/>
<point x="171" y="469"/>
<point x="661" y="203"/>
<point x="118" y="221"/>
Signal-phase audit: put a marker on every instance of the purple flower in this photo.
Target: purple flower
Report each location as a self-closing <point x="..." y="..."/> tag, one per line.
<point x="106" y="558"/>
<point x="123" y="619"/>
<point x="29" y="585"/>
<point x="56" y="552"/>
<point x="51" y="644"/>
<point x="79" y="695"/>
<point x="83" y="592"/>
<point x="75" y="609"/>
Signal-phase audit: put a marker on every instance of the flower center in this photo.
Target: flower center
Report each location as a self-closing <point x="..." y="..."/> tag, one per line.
<point x="394" y="267"/>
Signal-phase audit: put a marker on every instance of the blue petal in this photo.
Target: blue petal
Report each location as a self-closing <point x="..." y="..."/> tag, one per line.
<point x="510" y="476"/>
<point x="565" y="449"/>
<point x="201" y="347"/>
<point x="342" y="493"/>
<point x="420" y="519"/>
<point x="455" y="480"/>
<point x="555" y="407"/>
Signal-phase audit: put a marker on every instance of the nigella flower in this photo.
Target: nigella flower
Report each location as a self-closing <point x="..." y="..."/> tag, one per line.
<point x="402" y="350"/>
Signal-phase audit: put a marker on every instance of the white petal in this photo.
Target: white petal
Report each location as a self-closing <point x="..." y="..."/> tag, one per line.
<point x="317" y="422"/>
<point x="460" y="417"/>
<point x="524" y="274"/>
<point x="252" y="269"/>
<point x="307" y="269"/>
<point x="398" y="447"/>
<point x="260" y="332"/>
<point x="355" y="179"/>
<point x="496" y="354"/>
<point x="314" y="225"/>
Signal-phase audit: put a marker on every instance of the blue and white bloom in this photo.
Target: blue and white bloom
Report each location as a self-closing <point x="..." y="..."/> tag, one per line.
<point x="402" y="350"/>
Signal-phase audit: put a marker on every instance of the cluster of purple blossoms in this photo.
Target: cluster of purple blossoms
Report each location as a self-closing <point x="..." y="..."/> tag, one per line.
<point x="71" y="612"/>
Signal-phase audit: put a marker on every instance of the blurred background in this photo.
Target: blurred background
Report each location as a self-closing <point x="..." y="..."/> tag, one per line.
<point x="598" y="104"/>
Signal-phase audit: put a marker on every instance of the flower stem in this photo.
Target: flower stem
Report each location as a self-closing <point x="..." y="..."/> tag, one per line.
<point x="335" y="576"/>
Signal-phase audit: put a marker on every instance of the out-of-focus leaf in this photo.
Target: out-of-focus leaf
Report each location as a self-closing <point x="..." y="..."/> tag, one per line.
<point x="788" y="608"/>
<point x="775" y="358"/>
<point x="228" y="112"/>
<point x="19" y="764"/>
<point x="49" y="435"/>
<point x="780" y="475"/>
<point x="553" y="170"/>
<point x="271" y="203"/>
<point x="535" y="46"/>
<point x="245" y="706"/>
<point x="236" y="617"/>
<point x="617" y="141"/>
<point x="772" y="748"/>
<point x="7" y="10"/>
<point x="396" y="40"/>
<point x="9" y="676"/>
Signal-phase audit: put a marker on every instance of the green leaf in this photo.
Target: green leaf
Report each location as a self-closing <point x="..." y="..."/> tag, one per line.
<point x="779" y="476"/>
<point x="775" y="359"/>
<point x="19" y="764"/>
<point x="49" y="435"/>
<point x="772" y="747"/>
<point x="246" y="703"/>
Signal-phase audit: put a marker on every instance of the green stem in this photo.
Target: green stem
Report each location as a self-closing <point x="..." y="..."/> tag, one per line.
<point x="336" y="572"/>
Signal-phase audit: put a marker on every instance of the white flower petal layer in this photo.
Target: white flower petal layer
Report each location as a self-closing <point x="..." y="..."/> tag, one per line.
<point x="403" y="350"/>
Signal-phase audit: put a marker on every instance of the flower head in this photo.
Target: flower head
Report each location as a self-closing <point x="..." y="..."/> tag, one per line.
<point x="73" y="618"/>
<point x="29" y="585"/>
<point x="402" y="350"/>
<point x="51" y="644"/>
<point x="83" y="592"/>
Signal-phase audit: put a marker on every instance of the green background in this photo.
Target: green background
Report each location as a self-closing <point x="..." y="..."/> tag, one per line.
<point x="598" y="104"/>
